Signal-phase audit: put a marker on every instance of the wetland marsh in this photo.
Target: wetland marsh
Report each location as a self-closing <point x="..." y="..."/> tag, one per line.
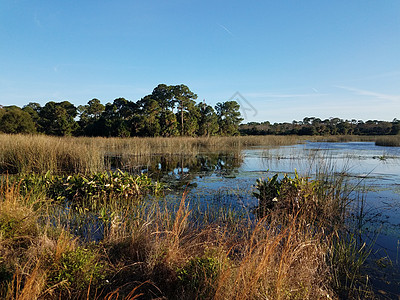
<point x="183" y="223"/>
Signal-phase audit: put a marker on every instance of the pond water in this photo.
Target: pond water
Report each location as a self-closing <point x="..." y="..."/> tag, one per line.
<point x="227" y="179"/>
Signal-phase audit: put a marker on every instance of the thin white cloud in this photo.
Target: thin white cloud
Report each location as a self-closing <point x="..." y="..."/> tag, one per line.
<point x="226" y="30"/>
<point x="277" y="95"/>
<point x="368" y="93"/>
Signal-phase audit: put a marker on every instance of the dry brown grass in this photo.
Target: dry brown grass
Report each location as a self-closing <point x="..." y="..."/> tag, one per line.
<point x="27" y="154"/>
<point x="278" y="263"/>
<point x="269" y="261"/>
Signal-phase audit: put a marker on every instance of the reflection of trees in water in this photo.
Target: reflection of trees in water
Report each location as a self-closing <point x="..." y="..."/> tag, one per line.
<point x="179" y="170"/>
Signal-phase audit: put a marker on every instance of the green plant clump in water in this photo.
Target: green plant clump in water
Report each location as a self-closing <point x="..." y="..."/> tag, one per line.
<point x="268" y="191"/>
<point x="104" y="185"/>
<point x="288" y="193"/>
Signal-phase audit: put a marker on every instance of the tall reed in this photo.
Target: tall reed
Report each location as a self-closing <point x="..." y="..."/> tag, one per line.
<point x="36" y="153"/>
<point x="390" y="141"/>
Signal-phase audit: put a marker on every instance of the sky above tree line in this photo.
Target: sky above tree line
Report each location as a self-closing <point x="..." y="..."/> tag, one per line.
<point x="281" y="60"/>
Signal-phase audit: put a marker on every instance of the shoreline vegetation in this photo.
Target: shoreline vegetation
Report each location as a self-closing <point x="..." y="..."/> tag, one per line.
<point x="40" y="153"/>
<point x="71" y="228"/>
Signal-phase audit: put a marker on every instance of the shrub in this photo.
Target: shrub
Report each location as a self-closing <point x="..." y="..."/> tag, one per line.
<point x="198" y="276"/>
<point x="71" y="268"/>
<point x="77" y="269"/>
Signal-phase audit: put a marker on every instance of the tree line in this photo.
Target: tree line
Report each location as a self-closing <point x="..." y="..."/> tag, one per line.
<point x="316" y="126"/>
<point x="167" y="111"/>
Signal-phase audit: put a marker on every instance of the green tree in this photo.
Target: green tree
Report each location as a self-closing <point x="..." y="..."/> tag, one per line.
<point x="164" y="95"/>
<point x="58" y="118"/>
<point x="89" y="115"/>
<point x="184" y="98"/>
<point x="191" y="117"/>
<point x="208" y="120"/>
<point x="157" y="117"/>
<point x="229" y="117"/>
<point x="395" y="127"/>
<point x="33" y="109"/>
<point x="14" y="120"/>
<point x="149" y="119"/>
<point x="168" y="123"/>
<point x="116" y="120"/>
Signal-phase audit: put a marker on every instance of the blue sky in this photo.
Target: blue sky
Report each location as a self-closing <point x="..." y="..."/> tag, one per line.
<point x="287" y="59"/>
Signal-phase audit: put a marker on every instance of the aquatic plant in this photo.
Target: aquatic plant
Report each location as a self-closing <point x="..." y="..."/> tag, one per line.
<point x="90" y="189"/>
<point x="294" y="195"/>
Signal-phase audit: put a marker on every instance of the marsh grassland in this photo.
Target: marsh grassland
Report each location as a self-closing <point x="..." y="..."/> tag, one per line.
<point x="72" y="227"/>
<point x="39" y="153"/>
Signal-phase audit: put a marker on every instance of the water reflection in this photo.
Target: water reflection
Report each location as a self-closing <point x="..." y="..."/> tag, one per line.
<point x="180" y="170"/>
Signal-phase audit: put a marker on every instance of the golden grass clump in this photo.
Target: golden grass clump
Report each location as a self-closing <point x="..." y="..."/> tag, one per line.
<point x="278" y="263"/>
<point x="389" y="141"/>
<point x="39" y="154"/>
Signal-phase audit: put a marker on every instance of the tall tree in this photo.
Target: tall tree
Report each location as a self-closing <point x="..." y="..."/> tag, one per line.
<point x="149" y="118"/>
<point x="184" y="98"/>
<point x="89" y="115"/>
<point x="208" y="120"/>
<point x="229" y="117"/>
<point x="158" y="108"/>
<point x="33" y="109"/>
<point x="58" y="118"/>
<point x="395" y="127"/>
<point x="163" y="94"/>
<point x="117" y="118"/>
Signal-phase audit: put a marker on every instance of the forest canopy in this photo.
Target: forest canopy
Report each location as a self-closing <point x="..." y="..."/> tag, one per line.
<point x="316" y="126"/>
<point x="170" y="110"/>
<point x="167" y="111"/>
